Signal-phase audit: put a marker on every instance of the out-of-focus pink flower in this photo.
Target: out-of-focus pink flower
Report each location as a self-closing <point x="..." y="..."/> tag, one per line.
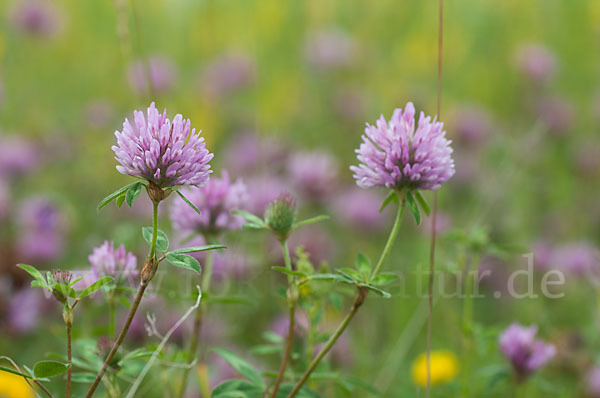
<point x="228" y="73"/>
<point x="471" y="125"/>
<point x="281" y="324"/>
<point x="330" y="49"/>
<point x="396" y="155"/>
<point x="536" y="62"/>
<point x="262" y="190"/>
<point x="37" y="18"/>
<point x="313" y="174"/>
<point x="25" y="309"/>
<point x="556" y="113"/>
<point x="525" y="353"/>
<point x="359" y="209"/>
<point x="443" y="223"/>
<point x="108" y="261"/>
<point x="587" y="159"/>
<point x="247" y="153"/>
<point x="41" y="230"/>
<point x="162" y="74"/>
<point x="99" y="113"/>
<point x="217" y="201"/>
<point x="593" y="382"/>
<point x="17" y="156"/>
<point x="4" y="199"/>
<point x="578" y="258"/>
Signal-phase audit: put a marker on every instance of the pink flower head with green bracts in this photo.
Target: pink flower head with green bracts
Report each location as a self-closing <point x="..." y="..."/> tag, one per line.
<point x="163" y="152"/>
<point x="396" y="155"/>
<point x="113" y="261"/>
<point x="526" y="353"/>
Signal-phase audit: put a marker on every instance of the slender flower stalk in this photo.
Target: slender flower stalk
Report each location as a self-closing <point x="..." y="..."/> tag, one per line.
<point x="434" y="209"/>
<point x="361" y="295"/>
<point x="292" y="299"/>
<point x="147" y="273"/>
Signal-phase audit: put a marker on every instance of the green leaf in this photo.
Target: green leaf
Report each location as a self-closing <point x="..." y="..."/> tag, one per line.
<point x="162" y="242"/>
<point x="65" y="290"/>
<point x="422" y="202"/>
<point x="253" y="221"/>
<point x="196" y="249"/>
<point x="237" y="389"/>
<point x="33" y="272"/>
<point x="412" y="206"/>
<point x="133" y="192"/>
<point x="385" y="278"/>
<point x="331" y="277"/>
<point x="241" y="366"/>
<point x="49" y="368"/>
<point x="351" y="273"/>
<point x="14" y="371"/>
<point x="186" y="200"/>
<point x="380" y="292"/>
<point x="114" y="195"/>
<point x="75" y="281"/>
<point x="120" y="200"/>
<point x="184" y="261"/>
<point x="363" y="264"/>
<point x="95" y="286"/>
<point x="392" y="196"/>
<point x="289" y="272"/>
<point x="37" y="283"/>
<point x="311" y="221"/>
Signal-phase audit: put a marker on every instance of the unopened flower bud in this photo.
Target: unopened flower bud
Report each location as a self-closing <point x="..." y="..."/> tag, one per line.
<point x="280" y="216"/>
<point x="60" y="278"/>
<point x="68" y="315"/>
<point x="148" y="271"/>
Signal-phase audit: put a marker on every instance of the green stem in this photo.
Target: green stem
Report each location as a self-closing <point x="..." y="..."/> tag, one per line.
<point x="392" y="237"/>
<point x="358" y="301"/>
<point x="70" y="362"/>
<point x="292" y="298"/>
<point x="192" y="352"/>
<point x="154" y="229"/>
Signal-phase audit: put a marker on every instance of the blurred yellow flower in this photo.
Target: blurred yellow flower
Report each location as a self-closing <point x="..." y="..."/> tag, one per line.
<point x="444" y="367"/>
<point x="13" y="386"/>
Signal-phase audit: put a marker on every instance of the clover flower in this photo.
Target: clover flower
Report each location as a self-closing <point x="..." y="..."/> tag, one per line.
<point x="396" y="155"/>
<point x="162" y="152"/>
<point x="536" y="62"/>
<point x="41" y="228"/>
<point x="108" y="261"/>
<point x="161" y="71"/>
<point x="216" y="201"/>
<point x="525" y="353"/>
<point x="313" y="173"/>
<point x="37" y="18"/>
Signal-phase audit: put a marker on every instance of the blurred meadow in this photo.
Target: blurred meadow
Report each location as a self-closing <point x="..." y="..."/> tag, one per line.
<point x="282" y="91"/>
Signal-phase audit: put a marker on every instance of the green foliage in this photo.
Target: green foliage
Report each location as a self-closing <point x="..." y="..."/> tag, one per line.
<point x="196" y="249"/>
<point x="162" y="242"/>
<point x="242" y="366"/>
<point x="49" y="368"/>
<point x="413" y="207"/>
<point x="186" y="200"/>
<point x="184" y="261"/>
<point x="133" y="192"/>
<point x="116" y="194"/>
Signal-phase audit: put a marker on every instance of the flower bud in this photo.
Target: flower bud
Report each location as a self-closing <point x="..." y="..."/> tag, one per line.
<point x="280" y="216"/>
<point x="148" y="271"/>
<point x="60" y="278"/>
<point x="68" y="315"/>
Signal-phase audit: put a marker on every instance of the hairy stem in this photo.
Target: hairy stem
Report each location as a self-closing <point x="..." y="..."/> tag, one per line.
<point x="117" y="344"/>
<point x="288" y="351"/>
<point x="358" y="301"/>
<point x="111" y="317"/>
<point x="391" y="238"/>
<point x="69" y="361"/>
<point x="154" y="229"/>
<point x="192" y="352"/>
<point x="292" y="304"/>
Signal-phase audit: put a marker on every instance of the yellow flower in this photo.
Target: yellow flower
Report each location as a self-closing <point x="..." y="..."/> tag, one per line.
<point x="13" y="386"/>
<point x="444" y="366"/>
